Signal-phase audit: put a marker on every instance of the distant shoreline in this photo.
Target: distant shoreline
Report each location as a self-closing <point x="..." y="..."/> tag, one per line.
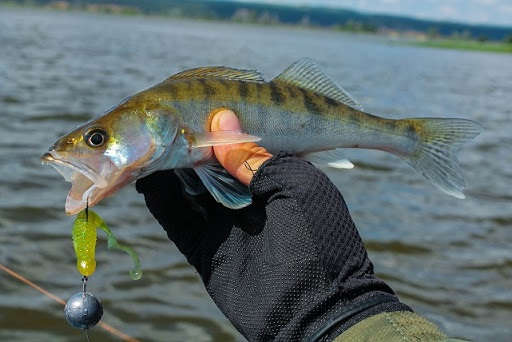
<point x="412" y="38"/>
<point x="461" y="44"/>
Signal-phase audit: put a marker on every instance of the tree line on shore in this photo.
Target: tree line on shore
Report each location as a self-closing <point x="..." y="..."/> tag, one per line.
<point x="338" y="19"/>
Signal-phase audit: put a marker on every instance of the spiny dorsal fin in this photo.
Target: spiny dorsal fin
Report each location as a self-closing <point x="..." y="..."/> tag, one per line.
<point x="218" y="72"/>
<point x="306" y="74"/>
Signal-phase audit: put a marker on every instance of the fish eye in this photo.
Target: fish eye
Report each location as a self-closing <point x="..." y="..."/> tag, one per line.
<point x="95" y="137"/>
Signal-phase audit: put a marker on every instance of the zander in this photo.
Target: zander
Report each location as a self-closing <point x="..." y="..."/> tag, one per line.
<point x="301" y="111"/>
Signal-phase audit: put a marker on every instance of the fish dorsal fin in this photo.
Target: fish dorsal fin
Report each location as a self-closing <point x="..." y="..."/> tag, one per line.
<point x="218" y="72"/>
<point x="306" y="74"/>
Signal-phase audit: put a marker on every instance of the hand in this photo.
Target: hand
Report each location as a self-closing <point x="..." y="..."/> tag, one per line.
<point x="283" y="267"/>
<point x="240" y="160"/>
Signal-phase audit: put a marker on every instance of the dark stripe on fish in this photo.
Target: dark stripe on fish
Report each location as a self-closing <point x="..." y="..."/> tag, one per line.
<point x="188" y="91"/>
<point x="389" y="124"/>
<point x="411" y="131"/>
<point x="275" y="94"/>
<point x="330" y="102"/>
<point x="223" y="83"/>
<point x="243" y="89"/>
<point x="292" y="92"/>
<point x="309" y="102"/>
<point x="259" y="91"/>
<point x="354" y="117"/>
<point x="209" y="91"/>
<point x="173" y="90"/>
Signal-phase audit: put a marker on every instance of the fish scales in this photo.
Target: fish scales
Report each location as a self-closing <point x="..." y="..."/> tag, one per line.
<point x="300" y="111"/>
<point x="278" y="113"/>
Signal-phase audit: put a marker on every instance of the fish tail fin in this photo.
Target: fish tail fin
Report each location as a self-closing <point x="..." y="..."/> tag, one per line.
<point x="434" y="156"/>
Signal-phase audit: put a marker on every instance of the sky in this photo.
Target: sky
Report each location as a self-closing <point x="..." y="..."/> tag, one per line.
<point x="493" y="12"/>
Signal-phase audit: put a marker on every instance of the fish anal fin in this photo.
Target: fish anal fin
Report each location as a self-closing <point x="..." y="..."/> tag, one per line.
<point x="223" y="187"/>
<point x="306" y="74"/>
<point x="218" y="72"/>
<point x="332" y="158"/>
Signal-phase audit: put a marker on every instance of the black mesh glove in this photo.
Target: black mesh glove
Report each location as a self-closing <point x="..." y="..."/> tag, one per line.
<point x="284" y="268"/>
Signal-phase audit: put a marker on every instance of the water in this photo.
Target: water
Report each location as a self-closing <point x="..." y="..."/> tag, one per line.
<point x="449" y="259"/>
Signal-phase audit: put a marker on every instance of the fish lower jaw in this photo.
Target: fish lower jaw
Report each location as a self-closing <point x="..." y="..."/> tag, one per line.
<point x="74" y="206"/>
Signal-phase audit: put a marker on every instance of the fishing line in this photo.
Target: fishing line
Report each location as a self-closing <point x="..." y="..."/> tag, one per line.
<point x="84" y="278"/>
<point x="86" y="333"/>
<point x="84" y="283"/>
<point x="108" y="328"/>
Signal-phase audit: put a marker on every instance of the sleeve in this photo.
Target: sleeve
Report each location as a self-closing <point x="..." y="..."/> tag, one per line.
<point x="394" y="327"/>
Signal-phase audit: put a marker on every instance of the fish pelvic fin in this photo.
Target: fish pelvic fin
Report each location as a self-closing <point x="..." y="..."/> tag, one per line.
<point x="434" y="157"/>
<point x="223" y="187"/>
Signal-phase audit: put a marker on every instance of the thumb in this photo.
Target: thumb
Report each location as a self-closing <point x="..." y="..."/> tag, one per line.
<point x="240" y="160"/>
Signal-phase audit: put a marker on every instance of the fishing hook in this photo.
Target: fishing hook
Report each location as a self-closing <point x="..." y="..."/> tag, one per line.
<point x="87" y="209"/>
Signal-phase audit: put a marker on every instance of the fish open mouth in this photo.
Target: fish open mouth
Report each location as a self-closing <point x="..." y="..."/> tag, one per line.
<point x="84" y="181"/>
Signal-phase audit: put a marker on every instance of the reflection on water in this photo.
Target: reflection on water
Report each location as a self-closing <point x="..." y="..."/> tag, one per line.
<point x="449" y="259"/>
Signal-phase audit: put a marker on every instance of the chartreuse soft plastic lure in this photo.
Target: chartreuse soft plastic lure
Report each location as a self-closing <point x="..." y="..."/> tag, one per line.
<point x="84" y="242"/>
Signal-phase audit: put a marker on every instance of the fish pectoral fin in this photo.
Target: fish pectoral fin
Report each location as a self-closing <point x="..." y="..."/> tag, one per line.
<point x="217" y="138"/>
<point x="218" y="72"/>
<point x="192" y="184"/>
<point x="306" y="74"/>
<point x="331" y="158"/>
<point x="223" y="187"/>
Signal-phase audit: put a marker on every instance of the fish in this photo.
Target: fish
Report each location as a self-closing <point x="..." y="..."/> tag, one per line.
<point x="301" y="111"/>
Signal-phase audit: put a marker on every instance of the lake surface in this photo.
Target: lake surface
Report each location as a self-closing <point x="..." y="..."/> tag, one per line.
<point x="450" y="259"/>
